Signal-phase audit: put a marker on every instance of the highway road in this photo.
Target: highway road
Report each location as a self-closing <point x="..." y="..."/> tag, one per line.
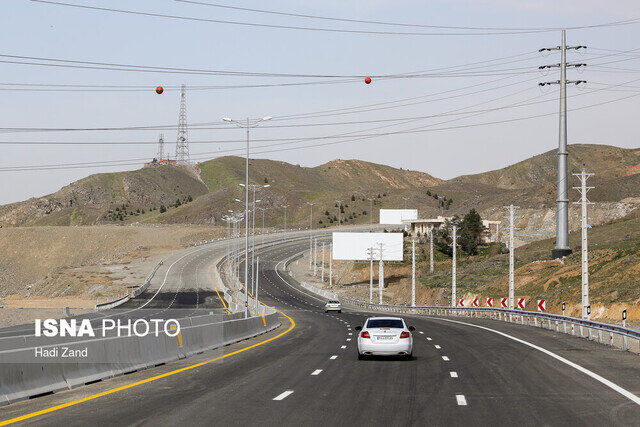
<point x="306" y="373"/>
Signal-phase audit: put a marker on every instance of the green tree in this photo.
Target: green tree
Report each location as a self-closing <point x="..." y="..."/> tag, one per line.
<point x="429" y="193"/>
<point x="353" y="198"/>
<point x="163" y="209"/>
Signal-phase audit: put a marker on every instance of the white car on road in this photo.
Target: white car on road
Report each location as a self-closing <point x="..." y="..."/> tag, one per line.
<point x="333" y="305"/>
<point x="385" y="336"/>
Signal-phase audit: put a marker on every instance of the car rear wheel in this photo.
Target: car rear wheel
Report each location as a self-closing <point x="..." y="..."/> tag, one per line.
<point x="361" y="356"/>
<point x="408" y="356"/>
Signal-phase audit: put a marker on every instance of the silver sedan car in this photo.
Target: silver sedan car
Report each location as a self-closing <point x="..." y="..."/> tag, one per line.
<point x="385" y="336"/>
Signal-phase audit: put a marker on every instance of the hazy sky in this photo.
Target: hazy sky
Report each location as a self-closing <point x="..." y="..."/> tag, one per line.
<point x="458" y="95"/>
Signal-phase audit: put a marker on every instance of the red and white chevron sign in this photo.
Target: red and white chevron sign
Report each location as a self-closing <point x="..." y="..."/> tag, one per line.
<point x="461" y="302"/>
<point x="475" y="302"/>
<point x="542" y="305"/>
<point x="521" y="303"/>
<point x="503" y="302"/>
<point x="489" y="302"/>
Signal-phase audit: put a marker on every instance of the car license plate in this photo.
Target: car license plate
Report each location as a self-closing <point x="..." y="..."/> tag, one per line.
<point x="385" y="338"/>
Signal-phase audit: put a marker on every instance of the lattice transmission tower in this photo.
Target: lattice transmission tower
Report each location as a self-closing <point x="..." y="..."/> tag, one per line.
<point x="182" y="145"/>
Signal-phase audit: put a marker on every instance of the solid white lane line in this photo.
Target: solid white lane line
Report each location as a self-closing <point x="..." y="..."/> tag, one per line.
<point x="437" y="346"/>
<point x="333" y="357"/>
<point x="453" y="374"/>
<point x="445" y="358"/>
<point x="626" y="393"/>
<point x="283" y="395"/>
<point x="344" y="346"/>
<point x="428" y="339"/>
<point x="316" y="372"/>
<point x="461" y="400"/>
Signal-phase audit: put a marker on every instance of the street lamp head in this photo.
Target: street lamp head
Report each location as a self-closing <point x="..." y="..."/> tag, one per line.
<point x="238" y="200"/>
<point x="264" y="119"/>
<point x="266" y="186"/>
<point x="241" y="185"/>
<point x="226" y="119"/>
<point x="258" y="201"/>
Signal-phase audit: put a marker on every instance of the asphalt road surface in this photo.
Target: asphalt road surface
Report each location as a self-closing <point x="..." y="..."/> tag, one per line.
<point x="306" y="373"/>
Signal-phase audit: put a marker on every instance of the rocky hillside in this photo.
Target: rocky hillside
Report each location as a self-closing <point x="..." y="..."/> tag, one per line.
<point x="604" y="160"/>
<point x="202" y="194"/>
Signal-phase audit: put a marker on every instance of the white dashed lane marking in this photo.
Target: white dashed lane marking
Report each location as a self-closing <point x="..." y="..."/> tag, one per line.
<point x="421" y="332"/>
<point x="428" y="339"/>
<point x="453" y="374"/>
<point x="316" y="372"/>
<point x="283" y="395"/>
<point x="333" y="357"/>
<point x="344" y="346"/>
<point x="461" y="400"/>
<point x="445" y="358"/>
<point x="437" y="346"/>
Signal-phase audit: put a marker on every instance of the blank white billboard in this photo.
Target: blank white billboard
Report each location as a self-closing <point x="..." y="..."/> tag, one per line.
<point x="396" y="216"/>
<point x="355" y="246"/>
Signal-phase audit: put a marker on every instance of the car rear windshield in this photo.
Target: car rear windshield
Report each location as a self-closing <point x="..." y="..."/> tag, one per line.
<point x="385" y="323"/>
<point x="333" y="302"/>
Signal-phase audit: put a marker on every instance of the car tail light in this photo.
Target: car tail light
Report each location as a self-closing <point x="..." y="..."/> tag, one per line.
<point x="365" y="334"/>
<point x="405" y="334"/>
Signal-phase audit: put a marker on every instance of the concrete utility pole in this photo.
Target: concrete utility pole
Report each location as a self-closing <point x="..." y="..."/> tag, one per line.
<point x="330" y="266"/>
<point x="454" y="301"/>
<point x="339" y="202"/>
<point x="322" y="271"/>
<point x="431" y="249"/>
<point x="315" y="256"/>
<point x="584" y="176"/>
<point x="370" y="199"/>
<point x="413" y="273"/>
<point x="310" y="230"/>
<point x="371" y="254"/>
<point x="562" y="201"/>
<point x="381" y="275"/>
<point x="511" y="260"/>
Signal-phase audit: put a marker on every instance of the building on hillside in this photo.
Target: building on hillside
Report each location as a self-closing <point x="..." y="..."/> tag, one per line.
<point x="427" y="225"/>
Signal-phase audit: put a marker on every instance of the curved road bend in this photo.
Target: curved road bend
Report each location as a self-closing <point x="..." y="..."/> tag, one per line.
<point x="310" y="375"/>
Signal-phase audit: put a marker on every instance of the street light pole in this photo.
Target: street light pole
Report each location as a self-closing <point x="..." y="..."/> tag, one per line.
<point x="248" y="125"/>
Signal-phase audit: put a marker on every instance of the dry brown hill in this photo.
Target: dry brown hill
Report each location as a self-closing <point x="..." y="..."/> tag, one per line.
<point x="604" y="160"/>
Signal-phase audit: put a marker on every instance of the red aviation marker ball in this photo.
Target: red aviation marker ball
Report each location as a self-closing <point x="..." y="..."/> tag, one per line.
<point x="367" y="80"/>
<point x="159" y="90"/>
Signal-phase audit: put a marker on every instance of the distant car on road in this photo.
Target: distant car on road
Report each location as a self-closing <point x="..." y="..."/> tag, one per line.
<point x="385" y="336"/>
<point x="333" y="305"/>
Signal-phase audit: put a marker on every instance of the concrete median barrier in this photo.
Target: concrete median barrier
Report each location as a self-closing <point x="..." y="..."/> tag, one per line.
<point x="23" y="375"/>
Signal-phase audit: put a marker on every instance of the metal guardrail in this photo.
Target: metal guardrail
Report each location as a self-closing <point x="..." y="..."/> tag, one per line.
<point x="553" y="321"/>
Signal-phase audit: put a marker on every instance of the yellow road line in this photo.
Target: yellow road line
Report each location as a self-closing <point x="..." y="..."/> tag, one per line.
<point x="145" y="381"/>
<point x="148" y="380"/>
<point x="216" y="288"/>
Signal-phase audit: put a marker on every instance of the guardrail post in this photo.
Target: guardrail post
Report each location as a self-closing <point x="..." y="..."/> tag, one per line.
<point x="535" y="321"/>
<point x="573" y="332"/>
<point x="611" y="339"/>
<point x="600" y="336"/>
<point x="624" y="343"/>
<point x="564" y="326"/>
